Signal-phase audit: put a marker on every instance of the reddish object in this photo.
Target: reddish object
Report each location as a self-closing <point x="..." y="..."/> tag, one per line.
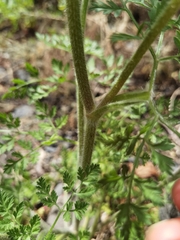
<point x="145" y="171"/>
<point x="176" y="194"/>
<point x="164" y="230"/>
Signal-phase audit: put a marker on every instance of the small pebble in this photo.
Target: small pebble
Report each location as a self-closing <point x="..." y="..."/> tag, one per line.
<point x="23" y="111"/>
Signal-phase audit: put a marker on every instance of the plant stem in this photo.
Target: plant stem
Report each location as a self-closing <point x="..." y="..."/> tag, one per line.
<point x="54" y="223"/>
<point x="87" y="134"/>
<point x="164" y="16"/>
<point x="80" y="108"/>
<point x="169" y="58"/>
<point x="76" y="38"/>
<point x="89" y="137"/>
<point x="80" y="122"/>
<point x="84" y="7"/>
<point x="153" y="77"/>
<point x="131" y="96"/>
<point x="96" y="221"/>
<point x="120" y="101"/>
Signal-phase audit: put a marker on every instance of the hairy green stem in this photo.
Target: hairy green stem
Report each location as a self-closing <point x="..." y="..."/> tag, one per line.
<point x="134" y="96"/>
<point x="76" y="38"/>
<point x="120" y="101"/>
<point x="87" y="134"/>
<point x="84" y="7"/>
<point x="164" y="16"/>
<point x="153" y="77"/>
<point x="80" y="122"/>
<point x="80" y="108"/>
<point x="169" y="58"/>
<point x="155" y="66"/>
<point x="89" y="137"/>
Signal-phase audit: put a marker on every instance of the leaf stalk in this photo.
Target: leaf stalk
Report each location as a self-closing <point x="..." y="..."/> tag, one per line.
<point x="164" y="16"/>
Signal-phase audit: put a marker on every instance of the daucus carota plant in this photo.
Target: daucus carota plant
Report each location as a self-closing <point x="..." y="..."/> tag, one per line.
<point x="108" y="134"/>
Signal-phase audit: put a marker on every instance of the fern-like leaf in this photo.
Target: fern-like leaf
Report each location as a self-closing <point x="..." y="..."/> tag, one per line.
<point x="108" y="8"/>
<point x="6" y="203"/>
<point x="165" y="163"/>
<point x="48" y="197"/>
<point x="68" y="180"/>
<point x="80" y="209"/>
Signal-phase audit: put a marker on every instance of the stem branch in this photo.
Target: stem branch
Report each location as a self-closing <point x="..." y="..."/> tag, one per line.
<point x="164" y="16"/>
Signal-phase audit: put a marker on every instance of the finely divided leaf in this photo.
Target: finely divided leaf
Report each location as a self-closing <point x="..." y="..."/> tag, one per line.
<point x="87" y="191"/>
<point x="34" y="224"/>
<point x="60" y="122"/>
<point x="161" y="143"/>
<point x="32" y="70"/>
<point x="123" y="213"/>
<point x="123" y="37"/>
<point x="11" y="165"/>
<point x="67" y="213"/>
<point x="48" y="197"/>
<point x="142" y="3"/>
<point x="151" y="192"/>
<point x="25" y="144"/>
<point x="165" y="163"/>
<point x="50" y="236"/>
<point x="80" y="209"/>
<point x="177" y="39"/>
<point x="90" y="175"/>
<point x="6" y="203"/>
<point x="19" y="210"/>
<point x="68" y="179"/>
<point x="67" y="216"/>
<point x="141" y="213"/>
<point x="81" y="175"/>
<point x="108" y="8"/>
<point x="57" y="65"/>
<point x="14" y="234"/>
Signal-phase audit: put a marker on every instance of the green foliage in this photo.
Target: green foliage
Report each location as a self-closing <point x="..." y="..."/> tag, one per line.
<point x="9" y="120"/>
<point x="43" y="191"/>
<point x="33" y="71"/>
<point x="142" y="3"/>
<point x="177" y="39"/>
<point x="14" y="9"/>
<point x="108" y="8"/>
<point x="12" y="162"/>
<point x="11" y="215"/>
<point x="92" y="48"/>
<point x="154" y="12"/>
<point x="129" y="132"/>
<point x="89" y="174"/>
<point x="80" y="209"/>
<point x="123" y="37"/>
<point x="150" y="190"/>
<point x="165" y="163"/>
<point x="67" y="179"/>
<point x="28" y="232"/>
<point x="56" y="41"/>
<point x="25" y="13"/>
<point x="33" y="88"/>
